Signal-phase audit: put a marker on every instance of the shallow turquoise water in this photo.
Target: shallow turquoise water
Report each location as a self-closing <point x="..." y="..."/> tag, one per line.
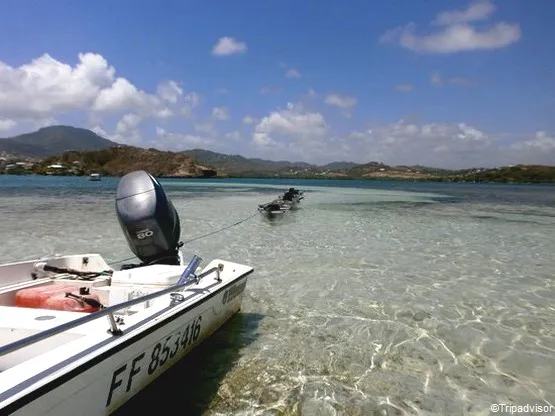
<point x="404" y="298"/>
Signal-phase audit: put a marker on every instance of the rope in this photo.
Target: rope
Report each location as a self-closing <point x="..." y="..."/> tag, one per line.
<point x="201" y="236"/>
<point x="220" y="230"/>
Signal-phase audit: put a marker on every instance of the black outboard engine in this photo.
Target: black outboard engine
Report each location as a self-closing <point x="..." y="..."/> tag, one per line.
<point x="148" y="219"/>
<point x="287" y="196"/>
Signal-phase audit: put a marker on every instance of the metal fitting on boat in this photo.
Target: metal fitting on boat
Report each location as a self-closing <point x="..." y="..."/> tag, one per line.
<point x="114" y="329"/>
<point x="40" y="266"/>
<point x="218" y="271"/>
<point x="176" y="298"/>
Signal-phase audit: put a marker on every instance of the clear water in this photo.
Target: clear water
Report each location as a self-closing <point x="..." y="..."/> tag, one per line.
<point x="373" y="298"/>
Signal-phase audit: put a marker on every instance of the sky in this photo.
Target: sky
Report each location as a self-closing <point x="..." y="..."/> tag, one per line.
<point x="452" y="84"/>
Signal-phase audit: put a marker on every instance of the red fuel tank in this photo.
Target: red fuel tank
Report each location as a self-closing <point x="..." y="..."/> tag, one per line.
<point x="58" y="297"/>
<point x="34" y="297"/>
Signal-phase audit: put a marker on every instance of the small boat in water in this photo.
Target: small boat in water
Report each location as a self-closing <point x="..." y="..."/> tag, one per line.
<point x="274" y="209"/>
<point x="94" y="177"/>
<point x="78" y="337"/>
<point x="296" y="194"/>
<point x="292" y="197"/>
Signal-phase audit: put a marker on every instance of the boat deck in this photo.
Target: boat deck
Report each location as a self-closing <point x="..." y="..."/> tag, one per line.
<point x="138" y="289"/>
<point x="31" y="321"/>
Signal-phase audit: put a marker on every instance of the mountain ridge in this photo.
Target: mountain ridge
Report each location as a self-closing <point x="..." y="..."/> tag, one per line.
<point x="73" y="144"/>
<point x="57" y="139"/>
<point x="52" y="140"/>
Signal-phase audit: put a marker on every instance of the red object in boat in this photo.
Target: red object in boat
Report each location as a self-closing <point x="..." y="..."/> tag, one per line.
<point x="58" y="297"/>
<point x="34" y="297"/>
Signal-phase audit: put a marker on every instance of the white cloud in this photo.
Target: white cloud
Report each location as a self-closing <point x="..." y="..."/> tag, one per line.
<point x="450" y="145"/>
<point x="170" y="91"/>
<point x="292" y="131"/>
<point x="101" y="132"/>
<point x="228" y="46"/>
<point x="124" y="96"/>
<point x="292" y="73"/>
<point x="126" y="132"/>
<point x="192" y="100"/>
<point x="46" y="88"/>
<point x="340" y="101"/>
<point x="249" y="120"/>
<point x="404" y="87"/>
<point x="409" y="143"/>
<point x="220" y="113"/>
<point x="295" y="133"/>
<point x="479" y="10"/>
<point x="164" y="113"/>
<point x="128" y="122"/>
<point x="7" y="124"/>
<point x="436" y="79"/>
<point x="178" y="141"/>
<point x="540" y="150"/>
<point x="457" y="34"/>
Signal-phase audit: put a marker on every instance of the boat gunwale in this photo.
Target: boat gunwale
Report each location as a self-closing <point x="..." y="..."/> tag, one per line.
<point x="47" y="333"/>
<point x="94" y="360"/>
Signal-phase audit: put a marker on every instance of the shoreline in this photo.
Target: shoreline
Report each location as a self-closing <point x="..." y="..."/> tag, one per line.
<point x="453" y="180"/>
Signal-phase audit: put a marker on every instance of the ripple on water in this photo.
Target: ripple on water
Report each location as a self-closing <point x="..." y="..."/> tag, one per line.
<point x="374" y="302"/>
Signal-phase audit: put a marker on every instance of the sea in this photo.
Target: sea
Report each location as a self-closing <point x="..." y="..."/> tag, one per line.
<point x="373" y="298"/>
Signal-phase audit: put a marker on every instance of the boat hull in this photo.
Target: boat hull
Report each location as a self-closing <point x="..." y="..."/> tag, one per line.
<point x="104" y="377"/>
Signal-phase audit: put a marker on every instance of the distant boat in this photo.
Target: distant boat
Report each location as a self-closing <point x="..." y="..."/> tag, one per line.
<point x="274" y="209"/>
<point x="295" y="194"/>
<point x="94" y="177"/>
<point x="292" y="197"/>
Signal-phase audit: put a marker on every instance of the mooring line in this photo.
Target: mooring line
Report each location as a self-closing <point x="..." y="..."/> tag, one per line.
<point x="200" y="236"/>
<point x="221" y="229"/>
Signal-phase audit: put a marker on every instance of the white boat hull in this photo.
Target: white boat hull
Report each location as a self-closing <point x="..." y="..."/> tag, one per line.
<point x="98" y="372"/>
<point x="78" y="338"/>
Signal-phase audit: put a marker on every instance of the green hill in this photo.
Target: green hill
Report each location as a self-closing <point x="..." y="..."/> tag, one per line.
<point x="82" y="151"/>
<point x="119" y="160"/>
<point x="53" y="140"/>
<point x="236" y="165"/>
<point x="506" y="174"/>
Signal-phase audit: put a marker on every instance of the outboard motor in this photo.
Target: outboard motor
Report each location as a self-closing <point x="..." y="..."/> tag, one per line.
<point x="287" y="196"/>
<point x="148" y="219"/>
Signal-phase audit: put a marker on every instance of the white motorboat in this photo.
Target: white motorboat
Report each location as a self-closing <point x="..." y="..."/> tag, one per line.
<point x="78" y="337"/>
<point x="95" y="177"/>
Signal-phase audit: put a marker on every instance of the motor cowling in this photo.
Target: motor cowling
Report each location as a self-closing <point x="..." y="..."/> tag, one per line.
<point x="148" y="219"/>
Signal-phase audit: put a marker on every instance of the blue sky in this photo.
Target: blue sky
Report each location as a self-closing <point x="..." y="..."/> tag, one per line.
<point x="451" y="84"/>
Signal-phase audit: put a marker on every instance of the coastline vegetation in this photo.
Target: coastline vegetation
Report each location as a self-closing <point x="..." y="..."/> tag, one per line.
<point x="47" y="151"/>
<point x="119" y="160"/>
